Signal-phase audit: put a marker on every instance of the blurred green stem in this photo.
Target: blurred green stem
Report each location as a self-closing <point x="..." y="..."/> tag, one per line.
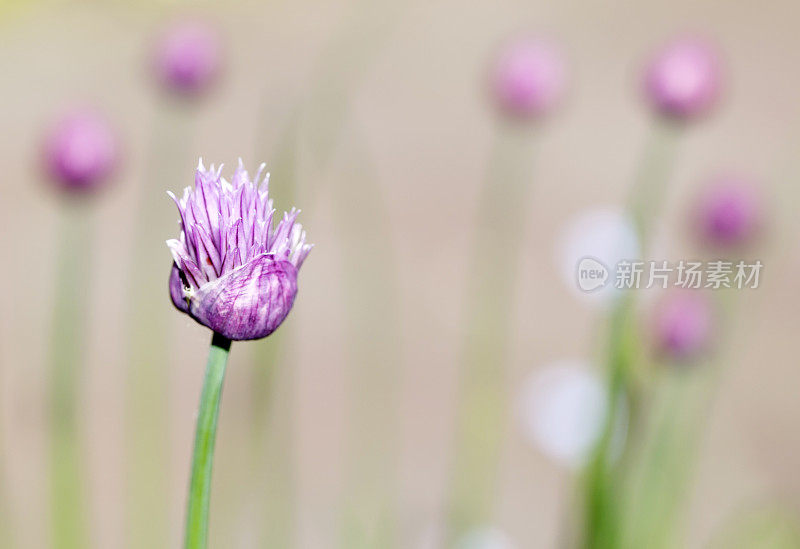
<point x="324" y="114"/>
<point x="343" y="65"/>
<point x="601" y="506"/>
<point x="370" y="275"/>
<point x="650" y="181"/>
<point x="67" y="355"/>
<point x="481" y="410"/>
<point x="6" y="527"/>
<point x="658" y="478"/>
<point x="147" y="375"/>
<point x="205" y="436"/>
<point x="773" y="525"/>
<point x="7" y="534"/>
<point x="602" y="518"/>
<point x="271" y="439"/>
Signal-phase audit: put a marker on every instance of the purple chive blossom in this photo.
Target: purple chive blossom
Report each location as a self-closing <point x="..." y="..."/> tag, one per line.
<point x="683" y="80"/>
<point x="683" y="325"/>
<point x="729" y="212"/>
<point x="80" y="151"/>
<point x="233" y="272"/>
<point x="528" y="78"/>
<point x="188" y="57"/>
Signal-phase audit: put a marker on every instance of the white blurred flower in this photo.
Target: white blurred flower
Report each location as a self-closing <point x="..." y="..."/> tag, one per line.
<point x="485" y="538"/>
<point x="562" y="408"/>
<point x="603" y="235"/>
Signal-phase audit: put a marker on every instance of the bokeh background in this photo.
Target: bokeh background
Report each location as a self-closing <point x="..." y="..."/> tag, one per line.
<point x="399" y="89"/>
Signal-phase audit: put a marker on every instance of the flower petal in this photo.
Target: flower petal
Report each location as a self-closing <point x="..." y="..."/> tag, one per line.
<point x="249" y="302"/>
<point x="176" y="289"/>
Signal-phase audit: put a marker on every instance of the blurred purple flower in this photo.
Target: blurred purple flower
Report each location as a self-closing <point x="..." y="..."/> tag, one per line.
<point x="683" y="325"/>
<point x="233" y="272"/>
<point x="683" y="80"/>
<point x="80" y="151"/>
<point x="729" y="212"/>
<point x="188" y="57"/>
<point x="528" y="78"/>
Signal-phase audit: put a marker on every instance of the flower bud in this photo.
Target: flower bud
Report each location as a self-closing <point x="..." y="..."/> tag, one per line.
<point x="528" y="78"/>
<point x="188" y="57"/>
<point x="683" y="325"/>
<point x="683" y="80"/>
<point x="80" y="151"/>
<point x="729" y="212"/>
<point x="232" y="271"/>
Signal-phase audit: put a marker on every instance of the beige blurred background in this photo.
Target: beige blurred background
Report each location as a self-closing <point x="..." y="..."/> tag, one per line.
<point x="419" y="115"/>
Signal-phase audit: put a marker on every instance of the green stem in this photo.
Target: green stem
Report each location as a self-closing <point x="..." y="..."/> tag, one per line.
<point x="602" y="519"/>
<point x="205" y="435"/>
<point x="479" y="430"/>
<point x="146" y="387"/>
<point x="66" y="361"/>
<point x="271" y="441"/>
<point x="342" y="67"/>
<point x="659" y="478"/>
<point x="658" y="475"/>
<point x="369" y="516"/>
<point x="602" y="506"/>
<point x="649" y="187"/>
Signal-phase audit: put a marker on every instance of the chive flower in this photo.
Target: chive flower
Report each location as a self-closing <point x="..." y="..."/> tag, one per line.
<point x="683" y="80"/>
<point x="233" y="271"/>
<point x="683" y="325"/>
<point x="80" y="151"/>
<point x="188" y="57"/>
<point x="729" y="212"/>
<point x="528" y="78"/>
